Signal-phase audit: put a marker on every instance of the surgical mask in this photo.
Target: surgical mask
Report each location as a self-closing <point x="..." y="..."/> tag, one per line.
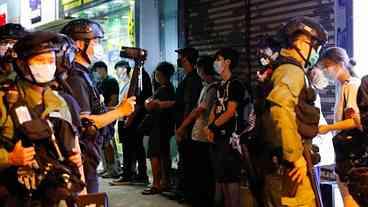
<point x="98" y="53"/>
<point x="96" y="76"/>
<point x="43" y="73"/>
<point x="218" y="66"/>
<point x="4" y="48"/>
<point x="264" y="61"/>
<point x="125" y="78"/>
<point x="319" y="79"/>
<point x="331" y="74"/>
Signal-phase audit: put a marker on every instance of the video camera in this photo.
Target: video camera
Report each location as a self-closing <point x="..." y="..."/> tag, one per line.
<point x="134" y="53"/>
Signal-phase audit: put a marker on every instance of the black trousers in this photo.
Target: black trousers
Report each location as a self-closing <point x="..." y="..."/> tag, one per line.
<point x="203" y="183"/>
<point x="133" y="151"/>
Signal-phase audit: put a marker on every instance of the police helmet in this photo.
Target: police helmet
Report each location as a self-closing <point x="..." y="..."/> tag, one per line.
<point x="12" y="31"/>
<point x="30" y="45"/>
<point x="305" y="26"/>
<point x="65" y="54"/>
<point x="83" y="29"/>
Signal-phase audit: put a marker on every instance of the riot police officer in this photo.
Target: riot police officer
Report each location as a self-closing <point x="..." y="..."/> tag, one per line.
<point x="9" y="34"/>
<point x="38" y="118"/>
<point x="302" y="39"/>
<point x="87" y="35"/>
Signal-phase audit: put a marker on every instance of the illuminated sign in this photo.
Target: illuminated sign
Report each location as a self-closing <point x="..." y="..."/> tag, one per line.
<point x="35" y="6"/>
<point x="71" y="4"/>
<point x="3" y="14"/>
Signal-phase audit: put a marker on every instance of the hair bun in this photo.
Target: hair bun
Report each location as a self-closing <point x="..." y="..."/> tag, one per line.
<point x="352" y="62"/>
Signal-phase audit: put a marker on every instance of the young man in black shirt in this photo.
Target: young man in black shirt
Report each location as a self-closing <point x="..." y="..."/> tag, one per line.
<point x="226" y="161"/>
<point x="109" y="88"/>
<point x="187" y="95"/>
<point x="131" y="137"/>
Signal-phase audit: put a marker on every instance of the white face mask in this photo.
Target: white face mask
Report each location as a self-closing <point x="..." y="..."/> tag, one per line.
<point x="319" y="79"/>
<point x="122" y="75"/>
<point x="43" y="73"/>
<point x="4" y="48"/>
<point x="218" y="66"/>
<point x="98" y="53"/>
<point x="264" y="61"/>
<point x="96" y="76"/>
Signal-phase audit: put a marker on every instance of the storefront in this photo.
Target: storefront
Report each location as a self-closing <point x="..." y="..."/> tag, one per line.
<point x="117" y="17"/>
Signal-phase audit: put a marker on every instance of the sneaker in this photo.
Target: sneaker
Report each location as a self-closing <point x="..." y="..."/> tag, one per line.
<point x="101" y="173"/>
<point x="121" y="181"/>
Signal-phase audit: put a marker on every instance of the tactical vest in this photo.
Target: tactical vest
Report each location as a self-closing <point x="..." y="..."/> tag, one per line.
<point x="53" y="138"/>
<point x="307" y="114"/>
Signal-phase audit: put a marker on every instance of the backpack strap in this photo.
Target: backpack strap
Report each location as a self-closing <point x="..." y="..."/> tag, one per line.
<point x="289" y="60"/>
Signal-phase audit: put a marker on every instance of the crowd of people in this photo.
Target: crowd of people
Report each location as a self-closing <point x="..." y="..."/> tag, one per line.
<point x="59" y="109"/>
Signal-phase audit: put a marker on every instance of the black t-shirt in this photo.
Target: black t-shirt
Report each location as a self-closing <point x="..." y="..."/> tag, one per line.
<point x="231" y="90"/>
<point x="187" y="94"/>
<point x="163" y="119"/>
<point x="108" y="87"/>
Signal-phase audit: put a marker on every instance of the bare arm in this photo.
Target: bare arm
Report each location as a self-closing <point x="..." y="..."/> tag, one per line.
<point x="340" y="125"/>
<point x="125" y="108"/>
<point x="192" y="117"/>
<point x="227" y="115"/>
<point x="187" y="121"/>
<point x="221" y="120"/>
<point x="211" y="118"/>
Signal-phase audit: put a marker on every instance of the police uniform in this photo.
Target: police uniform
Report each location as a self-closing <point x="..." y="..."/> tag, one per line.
<point x="282" y="137"/>
<point x="86" y="94"/>
<point x="88" y="98"/>
<point x="52" y="108"/>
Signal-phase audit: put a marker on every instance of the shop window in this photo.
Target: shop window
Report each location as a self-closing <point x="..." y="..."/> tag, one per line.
<point x="118" y="22"/>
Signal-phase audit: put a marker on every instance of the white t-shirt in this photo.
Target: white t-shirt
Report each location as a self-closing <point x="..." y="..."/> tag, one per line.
<point x="206" y="100"/>
<point x="346" y="92"/>
<point x="346" y="97"/>
<point x="324" y="141"/>
<point x="124" y="88"/>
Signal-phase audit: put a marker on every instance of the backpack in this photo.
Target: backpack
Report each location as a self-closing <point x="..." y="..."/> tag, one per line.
<point x="307" y="114"/>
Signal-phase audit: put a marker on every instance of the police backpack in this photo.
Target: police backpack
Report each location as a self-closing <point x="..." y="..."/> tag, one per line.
<point x="307" y="114"/>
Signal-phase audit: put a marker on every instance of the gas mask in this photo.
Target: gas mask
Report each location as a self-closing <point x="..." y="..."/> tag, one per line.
<point x="43" y="73"/>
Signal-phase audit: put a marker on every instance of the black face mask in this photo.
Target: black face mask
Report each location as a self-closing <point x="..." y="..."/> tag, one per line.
<point x="178" y="63"/>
